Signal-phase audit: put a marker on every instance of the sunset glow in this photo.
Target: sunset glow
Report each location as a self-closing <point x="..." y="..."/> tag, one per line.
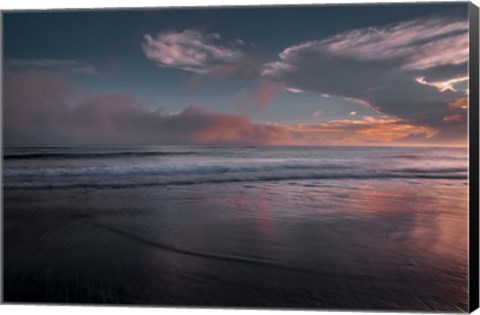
<point x="381" y="83"/>
<point x="286" y="157"/>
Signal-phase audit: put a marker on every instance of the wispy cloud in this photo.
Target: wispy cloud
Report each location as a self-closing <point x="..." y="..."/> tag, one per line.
<point x="361" y="102"/>
<point x="190" y="50"/>
<point x="265" y="94"/>
<point x="443" y="86"/>
<point x="254" y="99"/>
<point x="417" y="44"/>
<point x="41" y="63"/>
<point x="272" y="69"/>
<point x="85" y="70"/>
<point x="294" y="90"/>
<point x="72" y="66"/>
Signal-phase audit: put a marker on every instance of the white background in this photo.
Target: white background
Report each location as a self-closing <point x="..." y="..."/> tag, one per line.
<point x="74" y="310"/>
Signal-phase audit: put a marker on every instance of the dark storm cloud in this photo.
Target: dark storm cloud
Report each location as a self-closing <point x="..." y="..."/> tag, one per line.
<point x="409" y="70"/>
<point x="444" y="73"/>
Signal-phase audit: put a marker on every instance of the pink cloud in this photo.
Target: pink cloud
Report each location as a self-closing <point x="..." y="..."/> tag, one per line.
<point x="227" y="128"/>
<point x="31" y="95"/>
<point x="41" y="108"/>
<point x="189" y="50"/>
<point x="265" y="94"/>
<point x="105" y="113"/>
<point x="420" y="44"/>
<point x="418" y="41"/>
<point x="254" y="100"/>
<point x="461" y="102"/>
<point x="454" y="118"/>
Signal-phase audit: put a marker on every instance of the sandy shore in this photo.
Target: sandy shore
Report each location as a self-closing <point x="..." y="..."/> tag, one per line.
<point x="378" y="244"/>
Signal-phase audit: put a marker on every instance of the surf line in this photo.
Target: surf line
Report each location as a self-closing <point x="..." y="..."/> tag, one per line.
<point x="139" y="239"/>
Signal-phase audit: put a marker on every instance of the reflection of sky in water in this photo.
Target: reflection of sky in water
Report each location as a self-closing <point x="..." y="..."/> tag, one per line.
<point x="411" y="233"/>
<point x="372" y="242"/>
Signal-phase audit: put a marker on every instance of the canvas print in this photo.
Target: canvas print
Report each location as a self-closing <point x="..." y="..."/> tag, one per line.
<point x="280" y="157"/>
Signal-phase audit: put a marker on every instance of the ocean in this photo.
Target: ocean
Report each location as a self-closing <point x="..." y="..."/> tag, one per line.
<point x="301" y="227"/>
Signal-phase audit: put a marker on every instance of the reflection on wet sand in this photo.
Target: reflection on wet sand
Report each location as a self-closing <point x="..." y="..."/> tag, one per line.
<point x="378" y="244"/>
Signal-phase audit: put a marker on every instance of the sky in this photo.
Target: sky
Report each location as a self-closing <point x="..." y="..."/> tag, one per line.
<point x="306" y="75"/>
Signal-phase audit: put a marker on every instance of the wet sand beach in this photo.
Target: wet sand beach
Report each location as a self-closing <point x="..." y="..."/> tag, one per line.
<point x="376" y="243"/>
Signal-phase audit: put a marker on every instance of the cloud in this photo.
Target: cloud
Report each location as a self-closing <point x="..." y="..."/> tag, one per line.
<point x="226" y="128"/>
<point x="253" y="100"/>
<point x="455" y="118"/>
<point x="85" y="70"/>
<point x="44" y="108"/>
<point x="34" y="99"/>
<point x="365" y="130"/>
<point x="41" y="63"/>
<point x="272" y="69"/>
<point x="318" y="113"/>
<point x="442" y="86"/>
<point x="418" y="44"/>
<point x="293" y="90"/>
<point x="239" y="42"/>
<point x="190" y="50"/>
<point x="51" y="64"/>
<point x="364" y="103"/>
<point x="461" y="102"/>
<point x="265" y="94"/>
<point x="379" y="68"/>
